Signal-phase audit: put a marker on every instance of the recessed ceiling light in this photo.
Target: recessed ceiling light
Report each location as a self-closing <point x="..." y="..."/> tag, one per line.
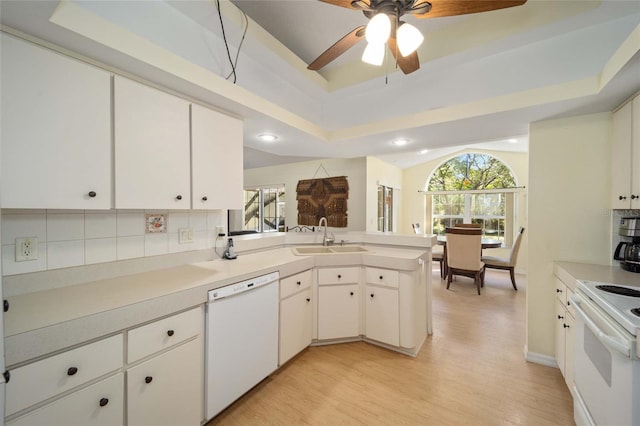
<point x="266" y="137"/>
<point x="424" y="151"/>
<point x="400" y="142"/>
<point x="513" y="140"/>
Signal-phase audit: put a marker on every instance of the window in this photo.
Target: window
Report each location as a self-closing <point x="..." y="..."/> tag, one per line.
<point x="263" y="212"/>
<point x="385" y="208"/>
<point x="473" y="188"/>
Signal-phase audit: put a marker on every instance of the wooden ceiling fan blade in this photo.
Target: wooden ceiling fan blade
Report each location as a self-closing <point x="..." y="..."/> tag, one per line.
<point x="442" y="8"/>
<point x="338" y="48"/>
<point x="345" y="3"/>
<point x="407" y="64"/>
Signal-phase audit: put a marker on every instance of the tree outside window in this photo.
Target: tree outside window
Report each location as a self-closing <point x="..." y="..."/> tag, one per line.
<point x="468" y="189"/>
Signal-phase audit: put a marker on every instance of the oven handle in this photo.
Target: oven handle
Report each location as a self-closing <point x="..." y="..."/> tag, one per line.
<point x="604" y="338"/>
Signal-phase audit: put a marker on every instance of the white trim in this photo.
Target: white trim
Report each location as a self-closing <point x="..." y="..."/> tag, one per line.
<point x="541" y="359"/>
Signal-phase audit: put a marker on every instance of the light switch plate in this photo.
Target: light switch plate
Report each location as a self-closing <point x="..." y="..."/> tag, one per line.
<point x="185" y="235"/>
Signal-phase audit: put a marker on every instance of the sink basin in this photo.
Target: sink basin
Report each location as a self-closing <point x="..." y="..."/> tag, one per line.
<point x="327" y="250"/>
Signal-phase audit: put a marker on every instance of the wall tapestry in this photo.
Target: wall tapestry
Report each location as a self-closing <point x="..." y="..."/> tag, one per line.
<point x="325" y="197"/>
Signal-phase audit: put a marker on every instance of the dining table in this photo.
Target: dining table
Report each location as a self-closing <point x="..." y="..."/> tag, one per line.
<point x="486" y="243"/>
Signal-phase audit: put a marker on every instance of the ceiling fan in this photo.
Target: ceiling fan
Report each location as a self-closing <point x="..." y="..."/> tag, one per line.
<point x="403" y="39"/>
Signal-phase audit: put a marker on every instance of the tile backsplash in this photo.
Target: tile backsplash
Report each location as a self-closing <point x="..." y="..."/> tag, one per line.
<point x="74" y="238"/>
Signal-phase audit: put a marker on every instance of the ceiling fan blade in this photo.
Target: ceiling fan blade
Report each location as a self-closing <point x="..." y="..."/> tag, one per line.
<point x="338" y="48"/>
<point x="441" y="8"/>
<point x="344" y="3"/>
<point x="407" y="64"/>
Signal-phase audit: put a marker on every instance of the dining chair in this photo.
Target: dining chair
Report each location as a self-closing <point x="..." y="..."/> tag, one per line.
<point x="506" y="263"/>
<point x="437" y="255"/>
<point x="464" y="249"/>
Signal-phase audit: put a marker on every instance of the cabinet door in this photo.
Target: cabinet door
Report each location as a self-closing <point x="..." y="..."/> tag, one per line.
<point x="217" y="173"/>
<point x="99" y="404"/>
<point x="620" y="158"/>
<point x="382" y="315"/>
<point x="56" y="130"/>
<point x="151" y="132"/>
<point x="168" y="389"/>
<point x="635" y="155"/>
<point x="295" y="324"/>
<point x="338" y="311"/>
<point x="561" y="315"/>
<point x="568" y="350"/>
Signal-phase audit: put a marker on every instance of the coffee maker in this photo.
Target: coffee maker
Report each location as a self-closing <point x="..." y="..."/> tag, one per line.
<point x="628" y="251"/>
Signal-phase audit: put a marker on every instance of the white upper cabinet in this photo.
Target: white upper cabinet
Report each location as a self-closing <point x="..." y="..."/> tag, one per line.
<point x="625" y="157"/>
<point x="151" y="133"/>
<point x="56" y="130"/>
<point x="216" y="160"/>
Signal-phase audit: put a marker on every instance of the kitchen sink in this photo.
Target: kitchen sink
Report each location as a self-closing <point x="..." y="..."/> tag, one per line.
<point x="301" y="251"/>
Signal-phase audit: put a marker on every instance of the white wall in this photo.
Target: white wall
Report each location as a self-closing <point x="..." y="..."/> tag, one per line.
<point x="289" y="175"/>
<point x="569" y="215"/>
<point x="415" y="179"/>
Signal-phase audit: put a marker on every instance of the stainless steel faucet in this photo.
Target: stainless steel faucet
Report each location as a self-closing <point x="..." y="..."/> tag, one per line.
<point x="326" y="240"/>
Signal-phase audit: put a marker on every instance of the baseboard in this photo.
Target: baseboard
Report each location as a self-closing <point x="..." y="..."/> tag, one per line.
<point x="541" y="359"/>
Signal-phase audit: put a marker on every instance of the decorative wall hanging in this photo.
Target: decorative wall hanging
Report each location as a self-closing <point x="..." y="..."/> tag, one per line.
<point x="326" y="197"/>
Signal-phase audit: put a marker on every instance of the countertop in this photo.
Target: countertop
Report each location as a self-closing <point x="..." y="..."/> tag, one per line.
<point x="43" y="322"/>
<point x="570" y="272"/>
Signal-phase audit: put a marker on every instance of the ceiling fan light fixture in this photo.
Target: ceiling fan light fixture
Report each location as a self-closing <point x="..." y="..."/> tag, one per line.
<point x="373" y="54"/>
<point x="409" y="39"/>
<point x="378" y="29"/>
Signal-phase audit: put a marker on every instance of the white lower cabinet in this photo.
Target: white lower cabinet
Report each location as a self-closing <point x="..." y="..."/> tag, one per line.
<point x="296" y="314"/>
<point x="168" y="388"/>
<point x="338" y="311"/>
<point x="382" y="313"/>
<point x="565" y="318"/>
<point x="100" y="404"/>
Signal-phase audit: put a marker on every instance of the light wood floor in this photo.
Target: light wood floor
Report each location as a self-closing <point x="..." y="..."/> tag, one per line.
<point x="472" y="371"/>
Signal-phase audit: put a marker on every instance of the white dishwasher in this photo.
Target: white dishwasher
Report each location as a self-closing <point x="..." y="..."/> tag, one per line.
<point x="242" y="339"/>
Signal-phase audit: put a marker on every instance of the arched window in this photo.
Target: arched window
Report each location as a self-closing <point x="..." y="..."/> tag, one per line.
<point x="473" y="188"/>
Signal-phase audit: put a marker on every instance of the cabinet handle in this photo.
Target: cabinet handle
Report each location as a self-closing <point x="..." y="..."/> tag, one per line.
<point x="5" y="305"/>
<point x="380" y="276"/>
<point x="622" y="198"/>
<point x="633" y="197"/>
<point x="558" y="290"/>
<point x="170" y="333"/>
<point x="71" y="371"/>
<point x="308" y="300"/>
<point x="339" y="276"/>
<point x="351" y="293"/>
<point x="92" y="194"/>
<point x="565" y="326"/>
<point x="178" y="197"/>
<point x="298" y="282"/>
<point x="204" y="198"/>
<point x="104" y="401"/>
<point x="372" y="295"/>
<point x="560" y="317"/>
<point x="148" y="379"/>
<point x="568" y="302"/>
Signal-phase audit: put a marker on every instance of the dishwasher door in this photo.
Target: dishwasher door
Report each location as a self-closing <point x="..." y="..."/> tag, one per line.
<point x="242" y="339"/>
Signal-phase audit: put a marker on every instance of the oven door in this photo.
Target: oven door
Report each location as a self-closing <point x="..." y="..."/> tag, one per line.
<point x="607" y="372"/>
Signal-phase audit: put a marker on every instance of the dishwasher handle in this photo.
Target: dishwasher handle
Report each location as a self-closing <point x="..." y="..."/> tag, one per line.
<point x="240" y="287"/>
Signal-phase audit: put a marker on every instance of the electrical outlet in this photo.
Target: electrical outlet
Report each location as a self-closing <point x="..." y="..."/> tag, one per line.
<point x="219" y="230"/>
<point x="185" y="235"/>
<point x="26" y="249"/>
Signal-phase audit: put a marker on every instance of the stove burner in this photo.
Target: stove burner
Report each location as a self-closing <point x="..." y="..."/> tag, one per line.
<point x="623" y="291"/>
<point x="636" y="311"/>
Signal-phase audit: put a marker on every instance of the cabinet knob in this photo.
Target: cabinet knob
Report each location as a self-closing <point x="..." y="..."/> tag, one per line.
<point x="351" y="293"/>
<point x="170" y="333"/>
<point x="339" y="276"/>
<point x="565" y="326"/>
<point x="178" y="197"/>
<point x="298" y="282"/>
<point x="380" y="276"/>
<point x="622" y="198"/>
<point x="204" y="198"/>
<point x="560" y="317"/>
<point x="633" y="197"/>
<point x="148" y="379"/>
<point x="5" y="305"/>
<point x="558" y="290"/>
<point x="104" y="401"/>
<point x="372" y="295"/>
<point x="92" y="194"/>
<point x="308" y="300"/>
<point x="71" y="371"/>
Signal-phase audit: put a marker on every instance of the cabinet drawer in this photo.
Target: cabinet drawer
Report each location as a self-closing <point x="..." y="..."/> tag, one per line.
<point x="338" y="275"/>
<point x="99" y="404"/>
<point x="43" y="379"/>
<point x="153" y="337"/>
<point x="294" y="283"/>
<point x="385" y="277"/>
